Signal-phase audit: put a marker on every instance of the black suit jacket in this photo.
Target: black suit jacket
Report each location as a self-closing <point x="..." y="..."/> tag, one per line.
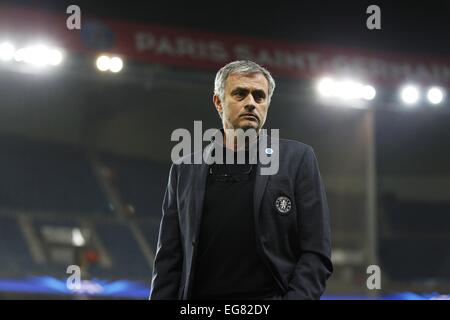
<point x="295" y="246"/>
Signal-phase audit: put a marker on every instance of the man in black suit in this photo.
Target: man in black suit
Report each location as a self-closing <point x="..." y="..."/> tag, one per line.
<point x="230" y="232"/>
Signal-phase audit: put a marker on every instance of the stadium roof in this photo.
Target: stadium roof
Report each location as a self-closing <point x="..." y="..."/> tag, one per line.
<point x="406" y="26"/>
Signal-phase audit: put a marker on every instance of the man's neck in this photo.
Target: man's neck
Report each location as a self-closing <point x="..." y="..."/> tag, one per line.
<point x="231" y="142"/>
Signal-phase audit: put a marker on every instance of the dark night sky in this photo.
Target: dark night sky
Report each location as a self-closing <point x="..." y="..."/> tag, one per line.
<point x="407" y="26"/>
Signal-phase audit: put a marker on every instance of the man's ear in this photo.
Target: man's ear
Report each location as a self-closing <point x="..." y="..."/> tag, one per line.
<point x="218" y="104"/>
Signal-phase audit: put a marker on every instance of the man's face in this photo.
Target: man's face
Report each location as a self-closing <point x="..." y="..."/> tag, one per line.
<point x="245" y="102"/>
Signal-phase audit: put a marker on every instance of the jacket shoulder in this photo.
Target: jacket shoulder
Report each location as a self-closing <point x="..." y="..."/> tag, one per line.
<point x="294" y="146"/>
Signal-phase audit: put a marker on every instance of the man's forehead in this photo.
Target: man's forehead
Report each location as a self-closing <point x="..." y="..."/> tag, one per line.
<point x="257" y="80"/>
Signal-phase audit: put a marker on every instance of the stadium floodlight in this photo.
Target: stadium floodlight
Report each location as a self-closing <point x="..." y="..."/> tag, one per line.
<point x="107" y="63"/>
<point x="103" y="63"/>
<point x="368" y="92"/>
<point x="326" y="87"/>
<point x="55" y="57"/>
<point x="349" y="90"/>
<point x="116" y="64"/>
<point x="77" y="238"/>
<point x="435" y="95"/>
<point x="39" y="55"/>
<point x="346" y="89"/>
<point x="6" y="51"/>
<point x="410" y="94"/>
<point x="19" y="55"/>
<point x="354" y="90"/>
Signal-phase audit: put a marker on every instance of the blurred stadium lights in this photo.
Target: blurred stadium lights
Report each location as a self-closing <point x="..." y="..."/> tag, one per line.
<point x="77" y="238"/>
<point x="103" y="63"/>
<point x="116" y="64"/>
<point x="6" y="51"/>
<point x="107" y="63"/>
<point x="351" y="93"/>
<point x="435" y="95"/>
<point x="345" y="89"/>
<point x="410" y="94"/>
<point x="38" y="55"/>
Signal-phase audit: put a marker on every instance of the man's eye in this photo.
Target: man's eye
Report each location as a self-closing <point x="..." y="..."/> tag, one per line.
<point x="240" y="94"/>
<point x="258" y="97"/>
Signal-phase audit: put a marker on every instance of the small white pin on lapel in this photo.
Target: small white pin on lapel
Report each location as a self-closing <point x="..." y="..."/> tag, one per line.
<point x="269" y="151"/>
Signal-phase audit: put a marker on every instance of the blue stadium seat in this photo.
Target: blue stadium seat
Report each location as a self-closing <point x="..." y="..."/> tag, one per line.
<point x="14" y="252"/>
<point x="39" y="176"/>
<point x="127" y="258"/>
<point x="141" y="183"/>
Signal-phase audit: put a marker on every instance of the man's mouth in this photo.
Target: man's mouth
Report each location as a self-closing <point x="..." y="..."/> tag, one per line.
<point x="250" y="116"/>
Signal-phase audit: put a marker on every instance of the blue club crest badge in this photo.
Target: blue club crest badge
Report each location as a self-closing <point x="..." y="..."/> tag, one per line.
<point x="283" y="205"/>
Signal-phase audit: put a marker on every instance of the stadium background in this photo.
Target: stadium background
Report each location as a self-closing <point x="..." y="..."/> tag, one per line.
<point x="85" y="154"/>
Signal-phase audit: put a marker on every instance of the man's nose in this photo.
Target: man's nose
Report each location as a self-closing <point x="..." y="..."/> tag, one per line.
<point x="250" y="103"/>
<point x="249" y="107"/>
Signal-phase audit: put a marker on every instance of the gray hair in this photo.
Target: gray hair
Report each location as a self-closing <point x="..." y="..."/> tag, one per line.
<point x="240" y="67"/>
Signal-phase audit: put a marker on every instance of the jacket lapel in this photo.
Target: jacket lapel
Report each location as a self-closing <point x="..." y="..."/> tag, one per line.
<point x="260" y="187"/>
<point x="200" y="176"/>
<point x="260" y="180"/>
